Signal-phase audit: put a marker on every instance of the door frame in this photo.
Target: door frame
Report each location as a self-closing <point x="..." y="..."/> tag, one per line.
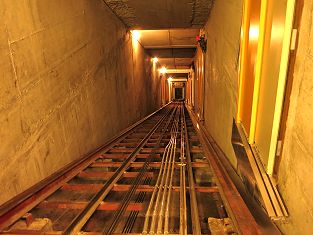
<point x="283" y="70"/>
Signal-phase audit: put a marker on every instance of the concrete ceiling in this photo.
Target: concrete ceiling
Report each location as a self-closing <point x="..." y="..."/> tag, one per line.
<point x="161" y="14"/>
<point x="176" y="63"/>
<point x="168" y="28"/>
<point x="172" y="52"/>
<point x="171" y="38"/>
<point x="175" y="48"/>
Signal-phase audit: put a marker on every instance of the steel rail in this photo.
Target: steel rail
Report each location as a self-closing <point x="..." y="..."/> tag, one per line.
<point x="159" y="206"/>
<point x="79" y="221"/>
<point x="165" y="197"/>
<point x="166" y="219"/>
<point x="159" y="215"/>
<point x="133" y="215"/>
<point x="196" y="228"/>
<point x="126" y="199"/>
<point x="19" y="205"/>
<point x="182" y="198"/>
<point x="168" y="179"/>
<point x="161" y="190"/>
<point x="243" y="220"/>
<point x="158" y="189"/>
<point x="136" y="182"/>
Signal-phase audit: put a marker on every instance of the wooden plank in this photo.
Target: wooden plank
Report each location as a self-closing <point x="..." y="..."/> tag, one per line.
<point x="82" y="187"/>
<point x="121" y="150"/>
<point x="79" y="221"/>
<point x="131" y="144"/>
<point x="104" y="206"/>
<point x="152" y="150"/>
<point x="22" y="203"/>
<point x="118" y="156"/>
<point x="30" y="232"/>
<point x="126" y="187"/>
<point x="109" y="174"/>
<point x="140" y="164"/>
<point x="36" y="232"/>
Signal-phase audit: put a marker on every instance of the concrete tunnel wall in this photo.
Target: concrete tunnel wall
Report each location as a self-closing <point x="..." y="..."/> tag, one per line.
<point x="221" y="72"/>
<point x="220" y="106"/>
<point x="71" y="78"/>
<point x="295" y="179"/>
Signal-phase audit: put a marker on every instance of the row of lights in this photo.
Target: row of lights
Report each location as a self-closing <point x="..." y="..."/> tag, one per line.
<point x="162" y="70"/>
<point x="136" y="35"/>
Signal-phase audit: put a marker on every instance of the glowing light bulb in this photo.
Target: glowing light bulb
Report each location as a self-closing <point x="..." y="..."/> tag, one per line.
<point x="155" y="60"/>
<point x="163" y="70"/>
<point x="254" y="32"/>
<point x="136" y="34"/>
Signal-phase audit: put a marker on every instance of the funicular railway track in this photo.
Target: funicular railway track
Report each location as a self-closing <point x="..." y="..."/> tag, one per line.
<point x="152" y="179"/>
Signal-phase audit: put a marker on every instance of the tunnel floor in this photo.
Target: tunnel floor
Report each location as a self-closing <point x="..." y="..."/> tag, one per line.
<point x="152" y="179"/>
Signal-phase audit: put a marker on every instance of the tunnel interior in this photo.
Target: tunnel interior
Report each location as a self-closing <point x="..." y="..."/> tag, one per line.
<point x="225" y="84"/>
<point x="178" y="93"/>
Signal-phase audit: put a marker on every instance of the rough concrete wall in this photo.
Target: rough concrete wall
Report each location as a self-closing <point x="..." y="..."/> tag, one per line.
<point x="221" y="72"/>
<point x="295" y="172"/>
<point x="71" y="78"/>
<point x="151" y="14"/>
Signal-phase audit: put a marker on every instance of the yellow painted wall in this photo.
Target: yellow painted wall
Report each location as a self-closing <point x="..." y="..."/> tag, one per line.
<point x="274" y="35"/>
<point x="250" y="36"/>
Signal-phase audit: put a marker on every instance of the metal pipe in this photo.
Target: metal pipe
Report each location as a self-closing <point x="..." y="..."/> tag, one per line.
<point x="183" y="209"/>
<point x="129" y="194"/>
<point x="166" y="216"/>
<point x="147" y="216"/>
<point x="160" y="214"/>
<point x="79" y="221"/>
<point x="160" y="193"/>
<point x="156" y="188"/>
<point x="196" y="228"/>
<point x="169" y="196"/>
<point x="168" y="180"/>
<point x="166" y="219"/>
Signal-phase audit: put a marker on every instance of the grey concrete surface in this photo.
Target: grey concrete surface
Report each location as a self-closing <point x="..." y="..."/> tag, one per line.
<point x="162" y="14"/>
<point x="295" y="179"/>
<point x="221" y="72"/>
<point x="294" y="175"/>
<point x="71" y="78"/>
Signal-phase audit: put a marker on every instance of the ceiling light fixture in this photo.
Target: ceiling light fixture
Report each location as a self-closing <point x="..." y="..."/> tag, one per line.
<point x="163" y="70"/>
<point x="136" y="34"/>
